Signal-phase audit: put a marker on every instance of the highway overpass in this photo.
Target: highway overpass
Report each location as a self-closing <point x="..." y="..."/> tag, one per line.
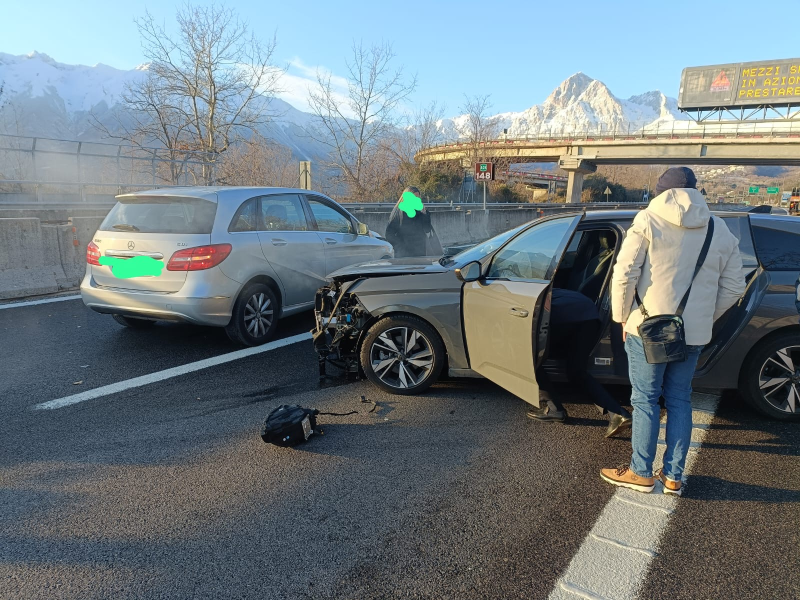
<point x="580" y="154"/>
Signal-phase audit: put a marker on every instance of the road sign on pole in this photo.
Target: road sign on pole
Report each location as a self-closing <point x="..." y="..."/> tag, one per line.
<point x="773" y="190"/>
<point x="754" y="189"/>
<point x="484" y="171"/>
<point x="607" y="193"/>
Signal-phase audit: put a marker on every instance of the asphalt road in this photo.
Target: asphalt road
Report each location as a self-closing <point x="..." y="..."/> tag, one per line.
<point x="167" y="491"/>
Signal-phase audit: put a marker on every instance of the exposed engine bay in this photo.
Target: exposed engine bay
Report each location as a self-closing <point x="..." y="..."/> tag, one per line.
<point x="340" y="322"/>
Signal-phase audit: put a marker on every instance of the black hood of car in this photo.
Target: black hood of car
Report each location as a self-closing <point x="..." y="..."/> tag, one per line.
<point x="389" y="267"/>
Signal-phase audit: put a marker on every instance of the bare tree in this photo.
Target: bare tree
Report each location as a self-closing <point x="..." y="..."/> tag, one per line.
<point x="420" y="131"/>
<point x="479" y="126"/>
<point x="259" y="162"/>
<point x="354" y="126"/>
<point x="207" y="87"/>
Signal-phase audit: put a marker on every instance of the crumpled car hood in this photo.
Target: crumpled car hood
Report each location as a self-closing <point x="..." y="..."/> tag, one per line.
<point x="392" y="266"/>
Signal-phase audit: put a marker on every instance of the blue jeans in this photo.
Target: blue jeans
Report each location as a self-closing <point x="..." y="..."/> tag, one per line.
<point x="650" y="382"/>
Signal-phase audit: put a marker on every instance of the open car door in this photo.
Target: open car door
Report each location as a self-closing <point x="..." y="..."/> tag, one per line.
<point x="506" y="311"/>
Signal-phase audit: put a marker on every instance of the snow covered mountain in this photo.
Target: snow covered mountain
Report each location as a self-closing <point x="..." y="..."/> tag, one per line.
<point x="42" y="97"/>
<point x="578" y="104"/>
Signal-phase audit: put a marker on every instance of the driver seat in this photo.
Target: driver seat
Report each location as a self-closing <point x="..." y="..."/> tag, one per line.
<point x="595" y="272"/>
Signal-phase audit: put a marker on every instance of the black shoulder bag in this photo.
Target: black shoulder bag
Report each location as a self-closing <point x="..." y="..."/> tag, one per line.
<point x="663" y="336"/>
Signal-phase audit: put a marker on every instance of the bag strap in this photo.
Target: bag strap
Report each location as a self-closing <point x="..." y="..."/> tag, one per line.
<point x="700" y="260"/>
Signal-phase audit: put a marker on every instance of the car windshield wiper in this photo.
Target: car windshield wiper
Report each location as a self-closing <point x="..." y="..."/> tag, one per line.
<point x="125" y="227"/>
<point x="445" y="260"/>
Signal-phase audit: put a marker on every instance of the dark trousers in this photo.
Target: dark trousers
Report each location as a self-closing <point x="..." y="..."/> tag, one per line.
<point x="574" y="342"/>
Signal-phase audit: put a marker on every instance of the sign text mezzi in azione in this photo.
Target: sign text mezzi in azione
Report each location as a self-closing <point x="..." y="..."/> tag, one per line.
<point x="741" y="84"/>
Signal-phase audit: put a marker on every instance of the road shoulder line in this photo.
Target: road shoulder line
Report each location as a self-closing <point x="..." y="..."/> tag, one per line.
<point x="35" y="302"/>
<point x="168" y="373"/>
<point x="614" y="558"/>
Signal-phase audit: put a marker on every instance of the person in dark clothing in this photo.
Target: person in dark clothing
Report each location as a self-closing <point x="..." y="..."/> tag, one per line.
<point x="574" y="330"/>
<point x="412" y="236"/>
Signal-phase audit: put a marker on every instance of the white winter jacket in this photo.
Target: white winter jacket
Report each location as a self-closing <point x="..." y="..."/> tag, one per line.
<point x="658" y="257"/>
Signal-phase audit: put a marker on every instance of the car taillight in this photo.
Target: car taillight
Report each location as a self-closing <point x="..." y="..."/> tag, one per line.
<point x="93" y="254"/>
<point x="199" y="258"/>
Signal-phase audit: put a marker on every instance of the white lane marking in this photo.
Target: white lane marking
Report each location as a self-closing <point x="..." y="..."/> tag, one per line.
<point x="615" y="557"/>
<point x="169" y="373"/>
<point x="580" y="592"/>
<point x="619" y="544"/>
<point x="645" y="505"/>
<point x="35" y="302"/>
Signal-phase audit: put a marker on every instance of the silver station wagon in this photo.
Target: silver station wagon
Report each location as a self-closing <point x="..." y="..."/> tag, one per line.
<point x="233" y="257"/>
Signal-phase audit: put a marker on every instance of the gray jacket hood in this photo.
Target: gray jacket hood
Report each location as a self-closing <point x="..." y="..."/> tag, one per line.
<point x="684" y="207"/>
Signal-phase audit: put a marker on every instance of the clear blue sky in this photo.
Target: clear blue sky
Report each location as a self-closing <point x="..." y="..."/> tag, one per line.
<point x="515" y="51"/>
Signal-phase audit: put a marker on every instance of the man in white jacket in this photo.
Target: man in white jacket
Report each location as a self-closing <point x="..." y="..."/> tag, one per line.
<point x="657" y="259"/>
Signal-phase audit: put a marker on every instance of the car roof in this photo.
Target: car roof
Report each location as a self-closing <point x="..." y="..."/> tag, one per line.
<point x="220" y="193"/>
<point x="782" y="218"/>
<point x="629" y="214"/>
<point x="610" y="215"/>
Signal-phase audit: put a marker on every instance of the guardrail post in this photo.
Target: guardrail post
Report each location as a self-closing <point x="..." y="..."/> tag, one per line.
<point x="80" y="177"/>
<point x="119" y="149"/>
<point x="33" y="162"/>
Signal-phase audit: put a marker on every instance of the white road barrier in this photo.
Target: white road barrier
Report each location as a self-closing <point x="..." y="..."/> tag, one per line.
<point x="613" y="560"/>
<point x="121" y="386"/>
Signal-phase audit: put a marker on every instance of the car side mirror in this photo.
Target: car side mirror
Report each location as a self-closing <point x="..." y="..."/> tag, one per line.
<point x="469" y="272"/>
<point x="363" y="229"/>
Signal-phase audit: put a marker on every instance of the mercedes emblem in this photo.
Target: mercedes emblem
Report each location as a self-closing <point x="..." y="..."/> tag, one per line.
<point x="131" y="245"/>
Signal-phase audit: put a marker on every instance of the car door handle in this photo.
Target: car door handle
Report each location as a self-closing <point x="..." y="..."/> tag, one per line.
<point x="518" y="312"/>
<point x="330" y="241"/>
<point x="278" y="242"/>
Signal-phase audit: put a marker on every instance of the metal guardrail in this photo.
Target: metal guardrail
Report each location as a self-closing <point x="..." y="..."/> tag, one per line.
<point x="82" y="165"/>
<point x="495" y="205"/>
<point x="356" y="207"/>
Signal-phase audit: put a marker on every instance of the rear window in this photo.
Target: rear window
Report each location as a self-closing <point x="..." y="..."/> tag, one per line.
<point x="163" y="214"/>
<point x="740" y="227"/>
<point x="778" y="243"/>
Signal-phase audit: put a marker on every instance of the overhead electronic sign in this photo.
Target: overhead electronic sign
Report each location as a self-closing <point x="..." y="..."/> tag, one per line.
<point x="775" y="82"/>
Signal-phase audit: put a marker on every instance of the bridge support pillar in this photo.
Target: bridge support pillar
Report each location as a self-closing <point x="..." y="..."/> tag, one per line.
<point x="576" y="168"/>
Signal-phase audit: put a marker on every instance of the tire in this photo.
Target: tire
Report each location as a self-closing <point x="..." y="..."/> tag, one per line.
<point x="254" y="317"/>
<point x="770" y="377"/>
<point x="133" y="323"/>
<point x="385" y="358"/>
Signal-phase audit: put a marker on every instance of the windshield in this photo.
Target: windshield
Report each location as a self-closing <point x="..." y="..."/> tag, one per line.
<point x="479" y="251"/>
<point x="163" y="214"/>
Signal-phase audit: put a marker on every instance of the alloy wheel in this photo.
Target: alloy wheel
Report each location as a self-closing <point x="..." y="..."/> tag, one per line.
<point x="779" y="379"/>
<point x="258" y="315"/>
<point x="402" y="357"/>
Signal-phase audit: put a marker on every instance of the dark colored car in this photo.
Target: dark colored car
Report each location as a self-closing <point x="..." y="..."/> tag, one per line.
<point x="485" y="311"/>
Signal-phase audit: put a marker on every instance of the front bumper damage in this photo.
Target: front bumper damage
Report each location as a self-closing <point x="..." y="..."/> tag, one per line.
<point x="341" y="320"/>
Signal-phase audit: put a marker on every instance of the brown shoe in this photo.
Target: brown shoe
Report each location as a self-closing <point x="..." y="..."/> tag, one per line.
<point x="624" y="477"/>
<point x="671" y="487"/>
